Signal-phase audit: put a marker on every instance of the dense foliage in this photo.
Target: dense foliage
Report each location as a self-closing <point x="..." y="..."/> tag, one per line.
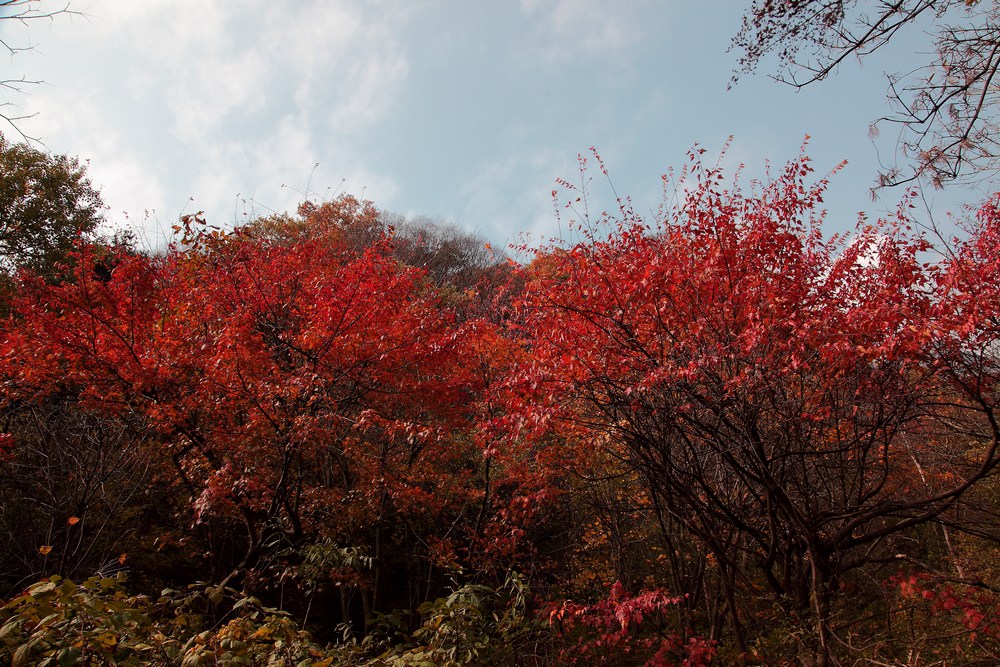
<point x="46" y="203"/>
<point x="328" y="439"/>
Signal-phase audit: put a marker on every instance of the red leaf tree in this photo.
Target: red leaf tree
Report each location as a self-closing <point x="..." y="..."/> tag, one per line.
<point x="795" y="402"/>
<point x="306" y="390"/>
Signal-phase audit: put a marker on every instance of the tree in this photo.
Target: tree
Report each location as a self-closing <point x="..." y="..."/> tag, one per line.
<point x="303" y="393"/>
<point x="798" y="404"/>
<point x="945" y="112"/>
<point x="461" y="263"/>
<point x="76" y="491"/>
<point x="46" y="203"/>
<point x="23" y="12"/>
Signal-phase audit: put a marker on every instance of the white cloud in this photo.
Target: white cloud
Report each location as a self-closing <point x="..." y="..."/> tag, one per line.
<point x="128" y="180"/>
<point x="486" y="197"/>
<point x="566" y="30"/>
<point x="217" y="100"/>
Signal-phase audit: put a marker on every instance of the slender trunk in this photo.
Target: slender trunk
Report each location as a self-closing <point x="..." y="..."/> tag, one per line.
<point x="345" y="609"/>
<point x="366" y="603"/>
<point x="734" y="617"/>
<point x="819" y="579"/>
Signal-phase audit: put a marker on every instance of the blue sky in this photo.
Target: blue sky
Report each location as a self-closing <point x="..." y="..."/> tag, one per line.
<point x="466" y="111"/>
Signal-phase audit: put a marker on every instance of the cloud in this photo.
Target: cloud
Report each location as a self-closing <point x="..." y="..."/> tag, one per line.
<point x="486" y="196"/>
<point x="566" y="30"/>
<point x="130" y="182"/>
<point x="216" y="60"/>
<point x="216" y="100"/>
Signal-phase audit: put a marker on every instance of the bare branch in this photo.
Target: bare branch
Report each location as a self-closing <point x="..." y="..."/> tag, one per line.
<point x="25" y="12"/>
<point x="944" y="111"/>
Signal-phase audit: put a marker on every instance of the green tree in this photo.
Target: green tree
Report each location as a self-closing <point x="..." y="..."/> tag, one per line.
<point x="46" y="201"/>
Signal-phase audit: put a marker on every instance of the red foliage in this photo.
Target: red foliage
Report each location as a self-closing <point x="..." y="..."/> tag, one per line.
<point x="305" y="388"/>
<point x="974" y="608"/>
<point x="787" y="403"/>
<point x="626" y="627"/>
<point x="783" y="393"/>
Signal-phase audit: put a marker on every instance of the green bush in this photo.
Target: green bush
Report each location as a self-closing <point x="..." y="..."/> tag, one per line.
<point x="59" y="622"/>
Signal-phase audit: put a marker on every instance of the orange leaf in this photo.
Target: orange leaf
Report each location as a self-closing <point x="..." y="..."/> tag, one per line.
<point x="121" y="559"/>
<point x="45" y="551"/>
<point x="73" y="520"/>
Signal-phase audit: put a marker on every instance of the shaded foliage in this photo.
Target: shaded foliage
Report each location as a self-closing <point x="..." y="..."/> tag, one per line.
<point x="335" y="436"/>
<point x="777" y="392"/>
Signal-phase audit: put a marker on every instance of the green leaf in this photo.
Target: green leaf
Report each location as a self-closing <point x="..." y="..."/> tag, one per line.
<point x="70" y="656"/>
<point x="24" y="652"/>
<point x="10" y="626"/>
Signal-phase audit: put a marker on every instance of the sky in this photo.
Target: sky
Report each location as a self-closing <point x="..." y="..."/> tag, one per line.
<point x="463" y="111"/>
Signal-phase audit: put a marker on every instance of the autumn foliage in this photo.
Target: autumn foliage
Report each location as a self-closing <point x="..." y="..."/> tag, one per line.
<point x="719" y="434"/>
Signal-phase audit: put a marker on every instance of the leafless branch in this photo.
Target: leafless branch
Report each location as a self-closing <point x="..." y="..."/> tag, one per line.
<point x="25" y="12"/>
<point x="945" y="111"/>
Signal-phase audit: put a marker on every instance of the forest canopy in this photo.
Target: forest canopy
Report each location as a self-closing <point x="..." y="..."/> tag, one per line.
<point x="714" y="434"/>
<point x="669" y="431"/>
